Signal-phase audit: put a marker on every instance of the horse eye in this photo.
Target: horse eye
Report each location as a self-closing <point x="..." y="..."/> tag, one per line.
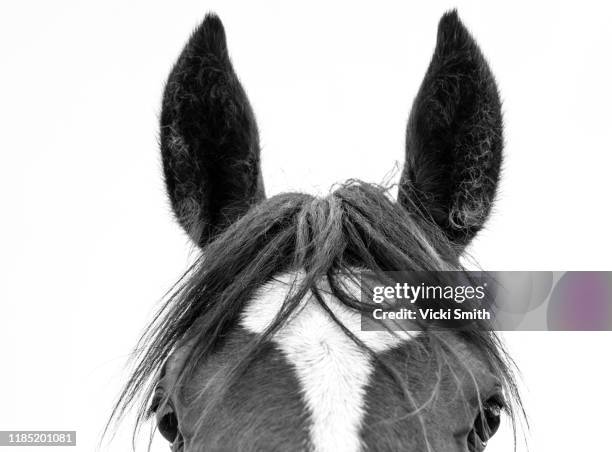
<point x="167" y="425"/>
<point x="167" y="422"/>
<point x="486" y="425"/>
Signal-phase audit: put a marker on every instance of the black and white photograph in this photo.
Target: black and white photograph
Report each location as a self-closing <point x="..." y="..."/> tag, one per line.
<point x="337" y="226"/>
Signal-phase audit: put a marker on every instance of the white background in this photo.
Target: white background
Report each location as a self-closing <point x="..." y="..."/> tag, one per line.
<point x="88" y="246"/>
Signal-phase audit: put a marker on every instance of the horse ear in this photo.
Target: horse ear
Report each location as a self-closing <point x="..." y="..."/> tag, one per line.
<point x="209" y="138"/>
<point x="454" y="137"/>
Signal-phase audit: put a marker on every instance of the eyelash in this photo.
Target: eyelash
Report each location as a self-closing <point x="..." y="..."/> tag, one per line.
<point x="499" y="400"/>
<point x="154" y="406"/>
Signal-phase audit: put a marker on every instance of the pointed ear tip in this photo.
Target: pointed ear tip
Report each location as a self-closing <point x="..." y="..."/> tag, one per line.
<point x="454" y="36"/>
<point x="450" y="18"/>
<point x="450" y="23"/>
<point x="211" y="30"/>
<point x="212" y="21"/>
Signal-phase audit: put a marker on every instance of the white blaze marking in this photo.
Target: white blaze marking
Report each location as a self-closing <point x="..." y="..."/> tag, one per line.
<point x="331" y="368"/>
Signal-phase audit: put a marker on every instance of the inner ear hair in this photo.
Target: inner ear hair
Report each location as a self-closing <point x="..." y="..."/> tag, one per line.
<point x="209" y="138"/>
<point x="454" y="137"/>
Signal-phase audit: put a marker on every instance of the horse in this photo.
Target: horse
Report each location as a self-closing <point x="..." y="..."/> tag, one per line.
<point x="259" y="346"/>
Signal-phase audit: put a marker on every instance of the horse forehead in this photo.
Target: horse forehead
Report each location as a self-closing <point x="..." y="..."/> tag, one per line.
<point x="311" y="324"/>
<point x="332" y="370"/>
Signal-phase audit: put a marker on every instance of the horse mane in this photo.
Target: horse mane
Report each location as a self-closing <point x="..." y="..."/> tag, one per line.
<point x="358" y="225"/>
